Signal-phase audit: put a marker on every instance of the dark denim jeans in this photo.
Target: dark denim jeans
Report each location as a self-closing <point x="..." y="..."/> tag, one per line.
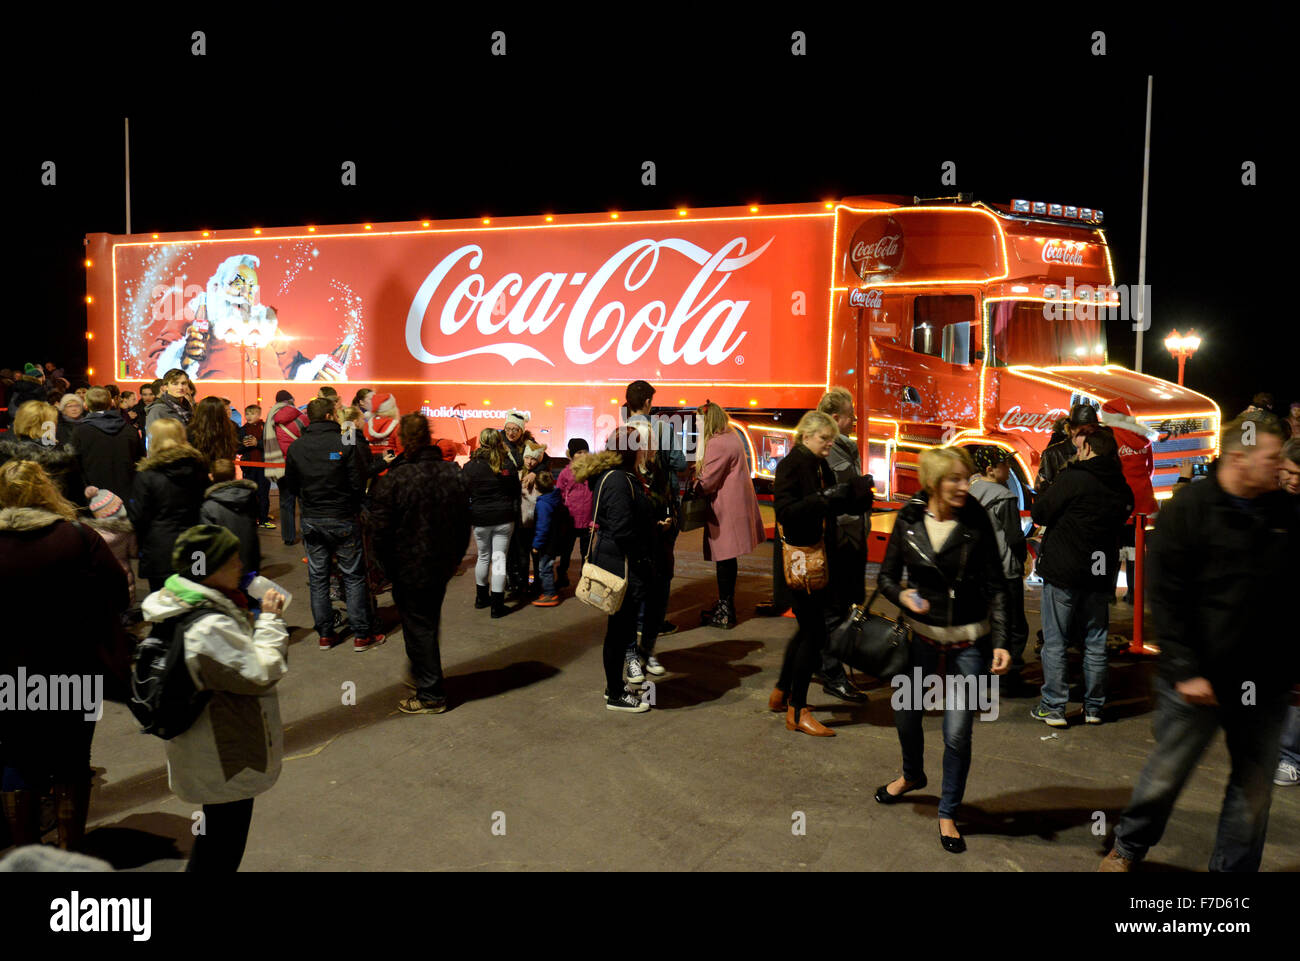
<point x="957" y="724"/>
<point x="1290" y="751"/>
<point x="420" y="607"/>
<point x="258" y="476"/>
<point x="341" y="538"/>
<point x="1183" y="732"/>
<point x="1092" y="608"/>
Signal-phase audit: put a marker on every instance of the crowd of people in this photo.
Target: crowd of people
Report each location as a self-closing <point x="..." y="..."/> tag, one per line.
<point x="101" y="489"/>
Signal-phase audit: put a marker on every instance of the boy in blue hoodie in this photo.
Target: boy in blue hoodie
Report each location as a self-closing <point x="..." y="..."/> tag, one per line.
<point x="546" y="535"/>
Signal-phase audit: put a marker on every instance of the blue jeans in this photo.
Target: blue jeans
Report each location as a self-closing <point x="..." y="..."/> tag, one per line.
<point x="1291" y="737"/>
<point x="1061" y="606"/>
<point x="288" y="529"/>
<point x="1183" y="732"/>
<point x="957" y="724"/>
<point x="546" y="569"/>
<point x="341" y="538"/>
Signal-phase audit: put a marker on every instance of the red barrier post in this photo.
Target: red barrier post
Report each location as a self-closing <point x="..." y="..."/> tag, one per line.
<point x="1138" y="646"/>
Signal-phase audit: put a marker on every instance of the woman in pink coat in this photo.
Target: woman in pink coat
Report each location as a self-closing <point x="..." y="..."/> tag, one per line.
<point x="735" y="526"/>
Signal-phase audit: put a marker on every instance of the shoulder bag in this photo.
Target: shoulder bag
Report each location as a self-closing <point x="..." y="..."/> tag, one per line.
<point x="805" y="567"/>
<point x="597" y="587"/>
<point x="871" y="643"/>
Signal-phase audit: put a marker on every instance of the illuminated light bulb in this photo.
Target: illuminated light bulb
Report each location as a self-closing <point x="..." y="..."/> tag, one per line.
<point x="311" y="230"/>
<point x="1080" y="351"/>
<point x="90" y="335"/>
<point x="682" y="212"/>
<point x="753" y="403"/>
<point x="486" y="402"/>
<point x="89" y="299"/>
<point x="90" y="371"/>
<point x="257" y="230"/>
<point x="88" y="263"/>
<point x="487" y="220"/>
<point x="613" y="400"/>
<point x="1097" y="349"/>
<point x="207" y="233"/>
<point x="550" y="403"/>
<point x="613" y="216"/>
<point x="368" y="227"/>
<point x="829" y="205"/>
<point x="681" y="400"/>
<point x="753" y="210"/>
<point x="425" y="224"/>
<point x="1019" y="289"/>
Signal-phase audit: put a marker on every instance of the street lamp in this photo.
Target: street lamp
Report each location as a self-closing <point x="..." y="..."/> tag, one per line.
<point x="1182" y="348"/>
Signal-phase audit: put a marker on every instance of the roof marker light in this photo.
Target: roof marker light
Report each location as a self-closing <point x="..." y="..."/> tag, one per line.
<point x="1085" y="213"/>
<point x="1020" y="206"/>
<point x="1072" y="213"/>
<point x="1054" y="210"/>
<point x="1040" y="207"/>
<point x="1097" y="215"/>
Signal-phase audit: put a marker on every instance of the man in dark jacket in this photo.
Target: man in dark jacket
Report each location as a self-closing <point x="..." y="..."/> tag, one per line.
<point x="326" y="477"/>
<point x="1064" y="445"/>
<point x="107" y="446"/>
<point x="1225" y="557"/>
<point x="30" y="385"/>
<point x="174" y="403"/>
<point x="420" y="515"/>
<point x="1084" y="512"/>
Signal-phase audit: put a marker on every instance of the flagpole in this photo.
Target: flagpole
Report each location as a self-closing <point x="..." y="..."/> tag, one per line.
<point x="1142" y="244"/>
<point x="126" y="142"/>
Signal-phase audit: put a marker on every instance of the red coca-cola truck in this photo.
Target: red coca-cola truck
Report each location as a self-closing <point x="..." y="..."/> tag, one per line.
<point x="952" y="321"/>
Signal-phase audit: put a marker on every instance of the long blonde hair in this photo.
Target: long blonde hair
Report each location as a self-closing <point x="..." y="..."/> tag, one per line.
<point x="166" y="432"/>
<point x="32" y="417"/>
<point x="712" y="421"/>
<point x="491" y="447"/>
<point x="24" y="483"/>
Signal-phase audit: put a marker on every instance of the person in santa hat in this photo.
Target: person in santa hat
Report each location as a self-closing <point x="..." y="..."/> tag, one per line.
<point x="381" y="428"/>
<point x="1134" y="441"/>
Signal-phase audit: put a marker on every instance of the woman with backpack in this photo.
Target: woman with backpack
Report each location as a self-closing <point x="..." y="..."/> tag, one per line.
<point x="232" y="750"/>
<point x="43" y="550"/>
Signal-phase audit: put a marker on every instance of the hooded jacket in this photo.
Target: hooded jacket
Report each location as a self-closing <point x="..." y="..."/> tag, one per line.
<point x="325" y="473"/>
<point x="59" y="461"/>
<point x="65" y="590"/>
<point x="1219" y="578"/>
<point x="283" y="427"/>
<point x="493" y="496"/>
<point x="963" y="582"/>
<point x="169" y="488"/>
<point x="234" y="749"/>
<point x="1004" y="511"/>
<point x="233" y="505"/>
<point x="623" y="542"/>
<point x="420" y="519"/>
<point x="108" y="448"/>
<point x="1084" y="511"/>
<point x="577" y="497"/>
<point x="167" y="406"/>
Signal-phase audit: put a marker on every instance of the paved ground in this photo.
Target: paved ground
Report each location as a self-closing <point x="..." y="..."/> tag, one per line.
<point x="709" y="780"/>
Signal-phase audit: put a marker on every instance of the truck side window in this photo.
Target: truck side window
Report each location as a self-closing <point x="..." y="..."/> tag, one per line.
<point x="941" y="326"/>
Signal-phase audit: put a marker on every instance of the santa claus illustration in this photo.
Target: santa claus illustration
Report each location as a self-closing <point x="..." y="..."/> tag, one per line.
<point x="228" y="322"/>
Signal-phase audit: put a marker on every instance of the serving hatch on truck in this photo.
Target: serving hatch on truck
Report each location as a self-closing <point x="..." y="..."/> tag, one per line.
<point x="951" y="321"/>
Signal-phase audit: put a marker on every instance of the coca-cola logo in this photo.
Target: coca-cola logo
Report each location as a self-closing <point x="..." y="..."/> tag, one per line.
<point x="1063" y="252"/>
<point x="1030" y="421"/>
<point x="876" y="247"/>
<point x="696" y="330"/>
<point x="864" y="298"/>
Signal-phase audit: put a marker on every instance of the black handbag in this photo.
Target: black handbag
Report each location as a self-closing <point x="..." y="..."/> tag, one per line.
<point x="871" y="643"/>
<point x="695" y="512"/>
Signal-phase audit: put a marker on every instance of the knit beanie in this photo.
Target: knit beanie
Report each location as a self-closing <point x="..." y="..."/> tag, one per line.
<point x="216" y="544"/>
<point x="534" y="449"/>
<point x="31" y="370"/>
<point x="103" y="502"/>
<point x="517" y="418"/>
<point x="576" y="444"/>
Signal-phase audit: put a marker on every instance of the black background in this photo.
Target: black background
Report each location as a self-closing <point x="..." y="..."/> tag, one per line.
<point x="255" y="132"/>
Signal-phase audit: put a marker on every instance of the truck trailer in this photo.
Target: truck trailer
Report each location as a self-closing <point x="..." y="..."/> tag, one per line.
<point x="951" y="321"/>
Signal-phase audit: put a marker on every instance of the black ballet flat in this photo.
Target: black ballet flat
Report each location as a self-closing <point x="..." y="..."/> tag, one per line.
<point x="884" y="797"/>
<point x="952" y="845"/>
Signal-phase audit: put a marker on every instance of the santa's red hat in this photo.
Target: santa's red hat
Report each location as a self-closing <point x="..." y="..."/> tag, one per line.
<point x="385" y="418"/>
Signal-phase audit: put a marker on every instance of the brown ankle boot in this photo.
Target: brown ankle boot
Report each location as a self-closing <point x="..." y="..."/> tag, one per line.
<point x="806" y="723"/>
<point x="776" y="700"/>
<point x="23" y="812"/>
<point x="71" y="806"/>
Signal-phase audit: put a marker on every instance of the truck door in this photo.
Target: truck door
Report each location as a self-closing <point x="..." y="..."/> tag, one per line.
<point x="946" y="337"/>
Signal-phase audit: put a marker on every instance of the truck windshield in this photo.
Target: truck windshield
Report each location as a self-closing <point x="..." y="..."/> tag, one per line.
<point x="1036" y="334"/>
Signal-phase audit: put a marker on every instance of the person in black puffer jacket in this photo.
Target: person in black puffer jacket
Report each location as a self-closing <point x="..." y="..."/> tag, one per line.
<point x="169" y="488"/>
<point x="420" y="516"/>
<point x="232" y="504"/>
<point x="107" y="446"/>
<point x="493" y="485"/>
<point x="808" y="502"/>
<point x="623" y="544"/>
<point x="27" y="386"/>
<point x="955" y="604"/>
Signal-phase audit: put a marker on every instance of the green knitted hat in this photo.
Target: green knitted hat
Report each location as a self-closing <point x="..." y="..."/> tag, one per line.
<point x="216" y="544"/>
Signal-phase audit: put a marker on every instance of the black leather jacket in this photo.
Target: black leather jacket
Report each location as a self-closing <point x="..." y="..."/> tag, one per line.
<point x="963" y="582"/>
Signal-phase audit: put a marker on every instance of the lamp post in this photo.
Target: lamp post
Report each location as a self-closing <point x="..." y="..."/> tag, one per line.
<point x="1182" y="348"/>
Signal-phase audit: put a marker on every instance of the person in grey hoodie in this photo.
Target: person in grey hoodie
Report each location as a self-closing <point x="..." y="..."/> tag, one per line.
<point x="232" y="504"/>
<point x="989" y="486"/>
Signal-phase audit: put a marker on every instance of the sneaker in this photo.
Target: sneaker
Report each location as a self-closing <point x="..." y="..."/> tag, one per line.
<point x="627" y="703"/>
<point x="1047" y="717"/>
<point x="632" y="672"/>
<point x="547" y="600"/>
<point x="668" y="628"/>
<point x="417" y="705"/>
<point x="268" y="525"/>
<point x="653" y="666"/>
<point x="361" y="645"/>
<point x="327" y="641"/>
<point x="1092" y="718"/>
<point x="1286" y="775"/>
<point x="1113" y="863"/>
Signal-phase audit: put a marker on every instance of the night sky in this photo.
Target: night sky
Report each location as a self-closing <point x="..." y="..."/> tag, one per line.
<point x="254" y="133"/>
